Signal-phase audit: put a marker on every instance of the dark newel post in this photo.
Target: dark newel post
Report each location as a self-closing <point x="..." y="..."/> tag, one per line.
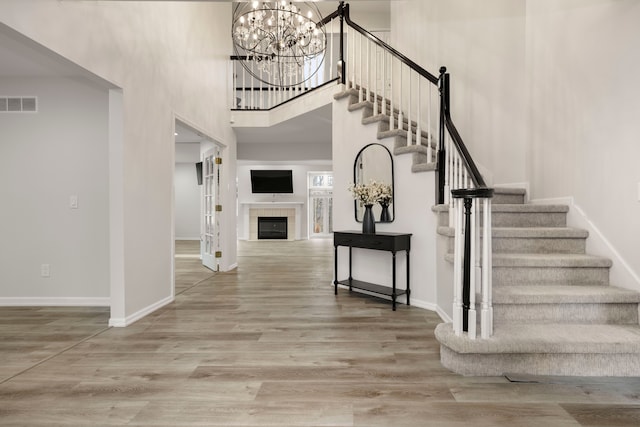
<point x="466" y="273"/>
<point x="444" y="96"/>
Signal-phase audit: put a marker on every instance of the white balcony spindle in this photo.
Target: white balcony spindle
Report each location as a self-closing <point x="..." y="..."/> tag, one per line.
<point x="244" y="88"/>
<point x="331" y="70"/>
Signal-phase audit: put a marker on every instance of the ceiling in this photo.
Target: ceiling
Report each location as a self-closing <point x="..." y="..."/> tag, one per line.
<point x="22" y="57"/>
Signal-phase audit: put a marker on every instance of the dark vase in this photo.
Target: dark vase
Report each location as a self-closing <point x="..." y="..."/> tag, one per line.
<point x="385" y="216"/>
<point x="368" y="222"/>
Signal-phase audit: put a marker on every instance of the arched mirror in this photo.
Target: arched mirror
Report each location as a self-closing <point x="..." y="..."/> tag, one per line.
<point x="374" y="163"/>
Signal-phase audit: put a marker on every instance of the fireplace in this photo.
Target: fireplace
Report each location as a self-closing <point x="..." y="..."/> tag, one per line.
<point x="272" y="227"/>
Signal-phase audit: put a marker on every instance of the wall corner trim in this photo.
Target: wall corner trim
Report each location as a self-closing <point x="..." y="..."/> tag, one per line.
<point x="119" y="322"/>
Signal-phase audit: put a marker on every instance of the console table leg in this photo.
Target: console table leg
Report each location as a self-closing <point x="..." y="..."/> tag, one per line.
<point x="408" y="281"/>
<point x="393" y="281"/>
<point x="335" y="270"/>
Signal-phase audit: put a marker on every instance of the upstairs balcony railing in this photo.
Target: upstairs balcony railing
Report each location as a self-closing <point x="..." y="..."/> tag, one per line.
<point x="414" y="106"/>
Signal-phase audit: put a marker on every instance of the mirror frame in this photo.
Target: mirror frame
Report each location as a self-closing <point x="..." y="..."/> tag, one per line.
<point x="393" y="190"/>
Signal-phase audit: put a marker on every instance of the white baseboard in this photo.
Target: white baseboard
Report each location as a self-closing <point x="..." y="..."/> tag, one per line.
<point x="621" y="273"/>
<point x="122" y="322"/>
<point x="55" y="302"/>
<point x="187" y="238"/>
<point x="444" y="316"/>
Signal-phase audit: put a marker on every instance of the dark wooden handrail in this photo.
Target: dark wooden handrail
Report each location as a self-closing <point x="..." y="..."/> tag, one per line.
<point x="415" y="67"/>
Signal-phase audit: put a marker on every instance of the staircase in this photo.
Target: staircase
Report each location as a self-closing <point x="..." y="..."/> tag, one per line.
<point x="555" y="312"/>
<point x="547" y="307"/>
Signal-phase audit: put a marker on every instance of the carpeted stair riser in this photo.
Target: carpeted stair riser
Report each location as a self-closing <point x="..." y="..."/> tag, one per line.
<point x="504" y="215"/>
<point x="527" y="242"/>
<point x="582" y="313"/>
<point x="532" y="276"/>
<point x="500" y="198"/>
<point x="538" y="245"/>
<point x="528" y="219"/>
<point x="566" y="364"/>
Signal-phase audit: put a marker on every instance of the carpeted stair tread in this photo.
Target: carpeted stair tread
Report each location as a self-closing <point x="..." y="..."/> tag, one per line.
<point x="540" y="232"/>
<point x="563" y="294"/>
<point x="546" y="338"/>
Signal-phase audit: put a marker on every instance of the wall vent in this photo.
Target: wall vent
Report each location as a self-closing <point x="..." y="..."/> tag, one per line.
<point x="18" y="104"/>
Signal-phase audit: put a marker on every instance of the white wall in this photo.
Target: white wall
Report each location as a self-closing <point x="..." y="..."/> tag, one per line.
<point x="413" y="198"/>
<point x="187" y="204"/>
<point x="483" y="47"/>
<point x="46" y="157"/>
<point x="299" y="190"/>
<point x="170" y="59"/>
<point x="187" y="192"/>
<point x="583" y="132"/>
<point x="545" y="93"/>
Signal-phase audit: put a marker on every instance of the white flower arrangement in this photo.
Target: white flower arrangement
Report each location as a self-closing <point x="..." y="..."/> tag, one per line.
<point x="372" y="193"/>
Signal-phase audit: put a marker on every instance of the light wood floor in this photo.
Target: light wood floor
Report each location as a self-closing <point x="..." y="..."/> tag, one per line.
<point x="270" y="345"/>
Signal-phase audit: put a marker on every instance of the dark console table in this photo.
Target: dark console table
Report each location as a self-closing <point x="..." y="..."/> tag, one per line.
<point x="390" y="242"/>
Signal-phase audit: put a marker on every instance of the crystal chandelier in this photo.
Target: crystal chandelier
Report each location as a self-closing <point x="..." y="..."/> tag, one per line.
<point x="279" y="43"/>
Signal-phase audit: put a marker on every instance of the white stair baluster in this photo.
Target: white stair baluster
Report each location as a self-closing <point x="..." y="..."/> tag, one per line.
<point x="409" y="97"/>
<point x="486" y="319"/>
<point x="472" y="282"/>
<point x="419" y="115"/>
<point x="400" y="116"/>
<point x="391" y="92"/>
<point x="360" y="93"/>
<point x="457" y="266"/>
<point x="375" y="79"/>
<point x="384" y="81"/>
<point x="429" y="130"/>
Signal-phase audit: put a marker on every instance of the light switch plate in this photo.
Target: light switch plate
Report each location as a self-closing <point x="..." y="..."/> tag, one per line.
<point x="73" y="201"/>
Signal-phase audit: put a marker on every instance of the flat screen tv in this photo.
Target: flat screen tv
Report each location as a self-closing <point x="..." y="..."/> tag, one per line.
<point x="271" y="181"/>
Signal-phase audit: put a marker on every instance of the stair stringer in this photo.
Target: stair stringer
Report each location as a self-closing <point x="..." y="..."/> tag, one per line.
<point x="413" y="195"/>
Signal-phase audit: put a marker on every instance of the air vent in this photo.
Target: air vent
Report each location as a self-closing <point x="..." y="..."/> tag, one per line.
<point x="18" y="104"/>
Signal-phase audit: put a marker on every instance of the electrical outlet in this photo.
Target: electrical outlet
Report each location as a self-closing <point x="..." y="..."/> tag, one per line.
<point x="73" y="201"/>
<point x="45" y="270"/>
